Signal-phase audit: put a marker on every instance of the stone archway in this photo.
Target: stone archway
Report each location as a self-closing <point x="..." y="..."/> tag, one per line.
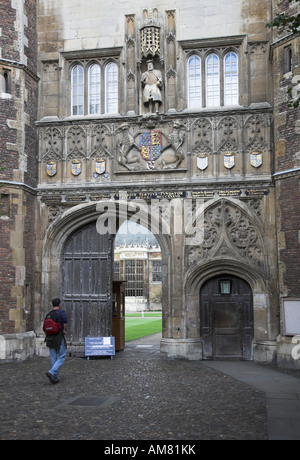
<point x="196" y="279"/>
<point x="60" y="245"/>
<point x="226" y="318"/>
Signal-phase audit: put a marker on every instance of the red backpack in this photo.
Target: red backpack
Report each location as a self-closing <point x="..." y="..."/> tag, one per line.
<point x="51" y="324"/>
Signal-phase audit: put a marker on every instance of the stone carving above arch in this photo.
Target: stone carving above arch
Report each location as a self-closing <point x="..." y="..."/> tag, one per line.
<point x="229" y="233"/>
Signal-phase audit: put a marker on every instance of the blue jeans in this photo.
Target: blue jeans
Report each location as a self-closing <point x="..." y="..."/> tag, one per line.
<point x="57" y="358"/>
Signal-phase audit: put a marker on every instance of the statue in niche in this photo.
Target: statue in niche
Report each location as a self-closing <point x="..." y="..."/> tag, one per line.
<point x="152" y="83"/>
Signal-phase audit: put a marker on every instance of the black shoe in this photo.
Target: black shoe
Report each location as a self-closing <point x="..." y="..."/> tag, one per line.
<point x="51" y="377"/>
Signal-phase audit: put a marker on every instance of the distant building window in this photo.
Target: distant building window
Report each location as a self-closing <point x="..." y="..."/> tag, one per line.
<point x="117" y="270"/>
<point x="134" y="275"/>
<point x="78" y="90"/>
<point x="156" y="271"/>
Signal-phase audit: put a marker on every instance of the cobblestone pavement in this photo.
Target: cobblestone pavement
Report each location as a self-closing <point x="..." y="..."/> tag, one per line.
<point x="138" y="395"/>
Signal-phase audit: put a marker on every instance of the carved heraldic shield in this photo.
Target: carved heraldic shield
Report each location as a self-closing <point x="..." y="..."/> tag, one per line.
<point x="150" y="143"/>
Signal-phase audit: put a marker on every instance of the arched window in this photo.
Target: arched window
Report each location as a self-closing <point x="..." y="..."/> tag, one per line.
<point x="212" y="81"/>
<point x="6" y="82"/>
<point x="111" y="88"/>
<point x="77" y="90"/>
<point x="94" y="89"/>
<point x="194" y="81"/>
<point x="231" y="94"/>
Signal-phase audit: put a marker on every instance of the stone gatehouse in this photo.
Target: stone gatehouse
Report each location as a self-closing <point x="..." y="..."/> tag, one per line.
<point x="168" y="115"/>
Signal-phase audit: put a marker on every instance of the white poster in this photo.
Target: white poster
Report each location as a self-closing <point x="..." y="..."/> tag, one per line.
<point x="291" y="311"/>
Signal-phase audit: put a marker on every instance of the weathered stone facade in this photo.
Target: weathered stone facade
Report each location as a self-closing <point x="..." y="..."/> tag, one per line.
<point x="286" y="71"/>
<point x="110" y="126"/>
<point x="18" y="108"/>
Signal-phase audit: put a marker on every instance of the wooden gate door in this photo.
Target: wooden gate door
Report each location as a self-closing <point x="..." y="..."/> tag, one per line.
<point x="226" y="316"/>
<point x="87" y="284"/>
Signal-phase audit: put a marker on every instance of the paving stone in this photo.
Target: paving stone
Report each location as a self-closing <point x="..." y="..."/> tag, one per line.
<point x="137" y="396"/>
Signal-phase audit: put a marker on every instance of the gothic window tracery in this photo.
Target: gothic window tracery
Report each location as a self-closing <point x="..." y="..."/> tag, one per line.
<point x="94" y="87"/>
<point x="194" y="81"/>
<point x="77" y="90"/>
<point x="231" y="79"/>
<point x="111" y="88"/>
<point x="212" y="81"/>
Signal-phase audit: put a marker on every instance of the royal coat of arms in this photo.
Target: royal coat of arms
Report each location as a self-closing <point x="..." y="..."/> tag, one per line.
<point x="76" y="167"/>
<point x="51" y="168"/>
<point x="150" y="143"/>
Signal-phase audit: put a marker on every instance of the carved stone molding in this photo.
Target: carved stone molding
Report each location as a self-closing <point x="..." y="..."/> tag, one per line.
<point x="76" y="142"/>
<point x="229" y="233"/>
<point x="52" y="139"/>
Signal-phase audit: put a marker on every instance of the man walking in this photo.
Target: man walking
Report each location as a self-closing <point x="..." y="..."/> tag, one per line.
<point x="57" y="343"/>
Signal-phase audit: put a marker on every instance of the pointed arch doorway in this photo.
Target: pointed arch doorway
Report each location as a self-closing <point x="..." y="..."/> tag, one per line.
<point x="226" y="317"/>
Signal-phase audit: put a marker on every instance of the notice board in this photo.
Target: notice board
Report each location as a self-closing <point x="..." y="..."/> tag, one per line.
<point x="99" y="346"/>
<point x="291" y="309"/>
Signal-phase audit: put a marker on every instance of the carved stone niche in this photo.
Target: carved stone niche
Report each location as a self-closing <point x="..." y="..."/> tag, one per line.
<point x="150" y="34"/>
<point x="151" y="63"/>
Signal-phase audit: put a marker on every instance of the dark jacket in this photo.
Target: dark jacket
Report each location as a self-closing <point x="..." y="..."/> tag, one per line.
<point x="54" y="341"/>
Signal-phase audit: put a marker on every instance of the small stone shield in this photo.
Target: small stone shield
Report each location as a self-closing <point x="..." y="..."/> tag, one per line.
<point x="100" y="166"/>
<point x="202" y="161"/>
<point x="256" y="159"/>
<point x="51" y="168"/>
<point x="76" y="167"/>
<point x="229" y="160"/>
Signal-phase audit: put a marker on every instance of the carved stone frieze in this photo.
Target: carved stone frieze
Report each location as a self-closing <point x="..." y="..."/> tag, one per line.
<point x="155" y="142"/>
<point x="231" y="233"/>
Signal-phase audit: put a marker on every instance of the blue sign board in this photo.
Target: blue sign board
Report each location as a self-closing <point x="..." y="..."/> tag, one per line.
<point x="99" y="346"/>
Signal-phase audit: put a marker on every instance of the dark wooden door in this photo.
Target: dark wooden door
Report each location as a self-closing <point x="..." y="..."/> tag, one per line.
<point x="87" y="284"/>
<point x="226" y="317"/>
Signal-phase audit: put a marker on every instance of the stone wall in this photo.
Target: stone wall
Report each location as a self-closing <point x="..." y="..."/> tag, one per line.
<point x="18" y="177"/>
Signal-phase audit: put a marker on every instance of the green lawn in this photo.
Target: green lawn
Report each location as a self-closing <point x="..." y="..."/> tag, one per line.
<point x="137" y="327"/>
